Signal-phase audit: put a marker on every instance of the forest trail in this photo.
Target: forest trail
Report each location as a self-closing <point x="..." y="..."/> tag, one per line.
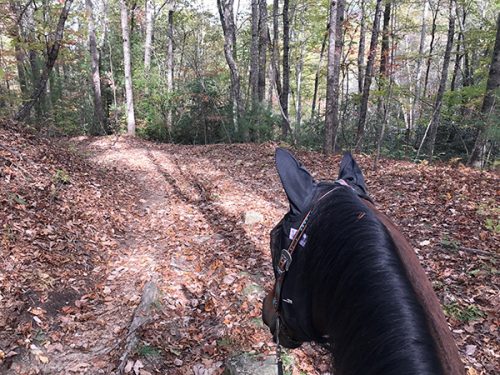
<point x="175" y="215"/>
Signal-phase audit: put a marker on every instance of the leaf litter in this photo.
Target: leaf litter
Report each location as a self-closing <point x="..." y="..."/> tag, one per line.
<point x="87" y="222"/>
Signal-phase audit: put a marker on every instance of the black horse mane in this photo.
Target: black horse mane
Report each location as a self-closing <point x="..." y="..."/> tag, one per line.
<point x="358" y="285"/>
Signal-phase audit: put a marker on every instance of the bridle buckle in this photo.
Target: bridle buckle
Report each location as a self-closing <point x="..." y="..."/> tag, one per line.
<point x="285" y="261"/>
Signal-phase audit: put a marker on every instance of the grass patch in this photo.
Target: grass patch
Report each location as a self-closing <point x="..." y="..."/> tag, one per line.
<point x="464" y="314"/>
<point x="148" y="351"/>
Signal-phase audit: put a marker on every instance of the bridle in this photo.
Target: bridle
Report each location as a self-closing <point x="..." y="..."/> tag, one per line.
<point x="282" y="267"/>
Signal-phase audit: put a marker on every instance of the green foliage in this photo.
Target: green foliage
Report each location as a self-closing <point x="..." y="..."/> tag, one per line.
<point x="492" y="225"/>
<point x="61" y="177"/>
<point x="450" y="243"/>
<point x="464" y="314"/>
<point x="491" y="213"/>
<point x="148" y="351"/>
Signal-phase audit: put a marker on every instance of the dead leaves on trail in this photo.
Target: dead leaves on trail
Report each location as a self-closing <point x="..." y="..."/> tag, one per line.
<point x="86" y="223"/>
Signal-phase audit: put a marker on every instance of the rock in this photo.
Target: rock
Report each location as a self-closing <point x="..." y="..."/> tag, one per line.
<point x="246" y="364"/>
<point x="252" y="217"/>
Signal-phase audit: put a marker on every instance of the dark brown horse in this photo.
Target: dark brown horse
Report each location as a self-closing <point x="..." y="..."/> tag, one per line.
<point x="345" y="276"/>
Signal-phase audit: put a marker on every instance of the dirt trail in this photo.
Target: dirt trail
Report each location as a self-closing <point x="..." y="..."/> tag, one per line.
<point x="188" y="236"/>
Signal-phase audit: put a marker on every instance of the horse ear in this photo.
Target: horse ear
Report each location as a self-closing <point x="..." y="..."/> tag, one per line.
<point x="351" y="173"/>
<point x="297" y="181"/>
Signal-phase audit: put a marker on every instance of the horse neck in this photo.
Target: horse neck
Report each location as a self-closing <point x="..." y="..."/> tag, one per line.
<point x="363" y="299"/>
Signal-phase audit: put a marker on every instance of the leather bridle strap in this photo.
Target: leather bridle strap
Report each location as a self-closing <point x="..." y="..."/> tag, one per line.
<point x="283" y="266"/>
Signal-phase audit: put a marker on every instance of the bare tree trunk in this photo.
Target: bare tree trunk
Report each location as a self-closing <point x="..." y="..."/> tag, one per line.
<point x="276" y="54"/>
<point x="431" y="47"/>
<point x="148" y="41"/>
<point x="318" y="70"/>
<point x="339" y="41"/>
<point x="488" y="108"/>
<point x="384" y="59"/>
<point x="95" y="74"/>
<point x="330" y="81"/>
<point x="254" y="55"/>
<point x="418" y="86"/>
<point x="361" y="49"/>
<point x="299" y="65"/>
<point x="17" y="36"/>
<point x="286" y="70"/>
<point x="227" y="21"/>
<point x="127" y="68"/>
<point x="52" y="54"/>
<point x="383" y="79"/>
<point x="263" y="38"/>
<point x="368" y="78"/>
<point x="461" y="17"/>
<point x="170" y="66"/>
<point x="442" y="84"/>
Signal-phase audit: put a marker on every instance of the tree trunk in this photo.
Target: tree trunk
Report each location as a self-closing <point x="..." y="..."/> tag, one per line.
<point x="95" y="74"/>
<point x="127" y="68"/>
<point x="16" y="34"/>
<point x="442" y="85"/>
<point x="330" y="80"/>
<point x="149" y="39"/>
<point x="276" y="53"/>
<point x="286" y="70"/>
<point x="226" y="14"/>
<point x="431" y="47"/>
<point x="254" y="55"/>
<point x="361" y="49"/>
<point x="385" y="83"/>
<point x="384" y="61"/>
<point x="488" y="108"/>
<point x="263" y="38"/>
<point x="368" y="79"/>
<point x="418" y="85"/>
<point x="318" y="71"/>
<point x="339" y="41"/>
<point x="52" y="54"/>
<point x="170" y="67"/>
<point x="299" y="65"/>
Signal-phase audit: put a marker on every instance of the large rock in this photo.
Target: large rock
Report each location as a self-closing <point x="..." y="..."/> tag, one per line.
<point x="246" y="364"/>
<point x="252" y="217"/>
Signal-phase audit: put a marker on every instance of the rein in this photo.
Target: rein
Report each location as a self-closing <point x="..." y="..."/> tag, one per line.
<point x="283" y="266"/>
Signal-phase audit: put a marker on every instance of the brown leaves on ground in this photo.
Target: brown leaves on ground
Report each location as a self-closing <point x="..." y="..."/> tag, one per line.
<point x="86" y="223"/>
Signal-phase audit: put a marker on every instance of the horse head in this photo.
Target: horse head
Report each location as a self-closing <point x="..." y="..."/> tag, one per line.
<point x="346" y="277"/>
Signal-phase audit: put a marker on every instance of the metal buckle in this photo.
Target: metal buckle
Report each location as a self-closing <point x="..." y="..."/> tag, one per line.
<point x="285" y="261"/>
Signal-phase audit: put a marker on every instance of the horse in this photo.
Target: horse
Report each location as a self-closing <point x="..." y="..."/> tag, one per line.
<point x="346" y="277"/>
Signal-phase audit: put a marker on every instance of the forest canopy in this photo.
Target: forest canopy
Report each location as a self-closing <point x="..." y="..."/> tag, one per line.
<point x="395" y="78"/>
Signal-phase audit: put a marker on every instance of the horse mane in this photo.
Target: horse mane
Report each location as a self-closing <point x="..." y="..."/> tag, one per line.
<point x="358" y="286"/>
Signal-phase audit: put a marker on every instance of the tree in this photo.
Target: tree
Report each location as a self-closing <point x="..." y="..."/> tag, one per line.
<point x="127" y="66"/>
<point x="431" y="46"/>
<point x="149" y="37"/>
<point x="52" y="53"/>
<point x="383" y="78"/>
<point x="363" y="108"/>
<point x="418" y="75"/>
<point x="333" y="71"/>
<point x="263" y="39"/>
<point x="226" y="14"/>
<point x="436" y="115"/>
<point x="491" y="95"/>
<point x="254" y="54"/>
<point x="95" y="73"/>
<point x="361" y="47"/>
<point x="170" y="65"/>
<point x="285" y="90"/>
